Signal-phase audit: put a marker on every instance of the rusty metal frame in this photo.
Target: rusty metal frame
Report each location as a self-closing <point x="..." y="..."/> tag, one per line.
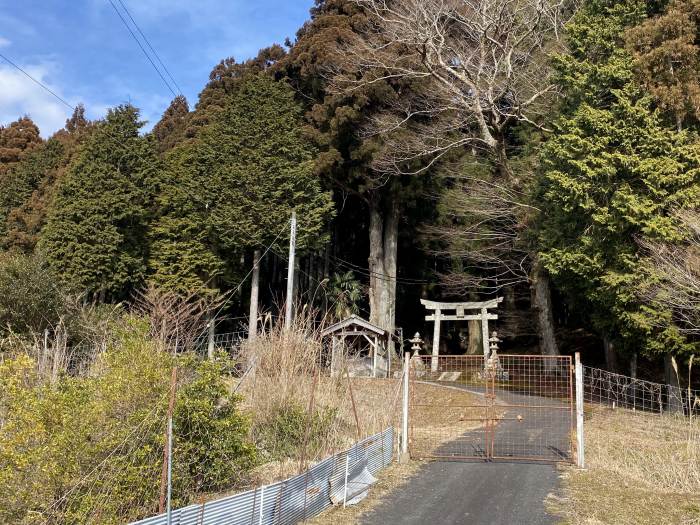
<point x="524" y="409"/>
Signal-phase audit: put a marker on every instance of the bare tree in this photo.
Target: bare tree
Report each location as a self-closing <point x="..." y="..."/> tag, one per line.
<point x="678" y="267"/>
<point x="482" y="65"/>
<point x="176" y="320"/>
<point x="466" y="73"/>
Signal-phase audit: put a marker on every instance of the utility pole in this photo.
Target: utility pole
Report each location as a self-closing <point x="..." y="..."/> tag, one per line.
<point x="254" y="291"/>
<point x="290" y="271"/>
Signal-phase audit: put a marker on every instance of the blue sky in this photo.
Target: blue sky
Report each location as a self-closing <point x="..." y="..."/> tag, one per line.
<point x="83" y="52"/>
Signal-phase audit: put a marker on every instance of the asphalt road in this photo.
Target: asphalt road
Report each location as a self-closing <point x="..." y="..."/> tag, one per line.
<point x="488" y="493"/>
<point x="470" y="493"/>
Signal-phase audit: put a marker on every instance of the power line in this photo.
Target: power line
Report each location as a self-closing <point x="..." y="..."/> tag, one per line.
<point x="35" y="81"/>
<point x="379" y="275"/>
<point x="148" y="43"/>
<point x="133" y="35"/>
<point x="233" y="291"/>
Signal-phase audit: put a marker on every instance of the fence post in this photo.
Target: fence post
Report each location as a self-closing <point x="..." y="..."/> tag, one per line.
<point x="262" y="500"/>
<point x="347" y="470"/>
<point x="580" y="455"/>
<point x="210" y="337"/>
<point x="404" y="420"/>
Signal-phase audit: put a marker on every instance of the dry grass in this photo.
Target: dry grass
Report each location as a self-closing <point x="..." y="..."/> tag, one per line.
<point x="641" y="469"/>
<point x="290" y="376"/>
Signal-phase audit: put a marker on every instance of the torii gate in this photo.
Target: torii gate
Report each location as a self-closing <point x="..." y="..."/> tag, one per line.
<point x="439" y="315"/>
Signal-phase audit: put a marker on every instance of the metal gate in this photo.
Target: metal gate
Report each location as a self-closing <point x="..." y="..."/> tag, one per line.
<point x="515" y="407"/>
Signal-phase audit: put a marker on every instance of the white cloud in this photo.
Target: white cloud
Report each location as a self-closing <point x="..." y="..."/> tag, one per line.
<point x="20" y="96"/>
<point x="4" y="42"/>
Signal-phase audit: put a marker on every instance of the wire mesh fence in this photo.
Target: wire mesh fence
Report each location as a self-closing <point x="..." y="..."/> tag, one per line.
<point x="229" y="342"/>
<point x="335" y="480"/>
<point x="511" y="407"/>
<point x="619" y="391"/>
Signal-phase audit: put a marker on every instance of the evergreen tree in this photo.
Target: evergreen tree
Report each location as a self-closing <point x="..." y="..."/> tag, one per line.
<point x="666" y="49"/>
<point x="170" y="130"/>
<point x="234" y="187"/>
<point x="16" y="139"/>
<point x="613" y="173"/>
<point x="24" y="177"/>
<point x="225" y="80"/>
<point x="33" y="181"/>
<point x="95" y="236"/>
<point x="373" y="203"/>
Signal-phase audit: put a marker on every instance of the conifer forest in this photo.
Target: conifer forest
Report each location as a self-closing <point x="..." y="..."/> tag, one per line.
<point x="541" y="153"/>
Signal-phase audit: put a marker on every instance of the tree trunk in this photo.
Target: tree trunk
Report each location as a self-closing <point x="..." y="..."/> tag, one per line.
<point x="543" y="305"/>
<point x="610" y="354"/>
<point x="475" y="347"/>
<point x="254" y="292"/>
<point x="383" y="246"/>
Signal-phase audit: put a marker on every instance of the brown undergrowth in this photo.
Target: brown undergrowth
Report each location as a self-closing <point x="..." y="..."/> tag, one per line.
<point x="640" y="469"/>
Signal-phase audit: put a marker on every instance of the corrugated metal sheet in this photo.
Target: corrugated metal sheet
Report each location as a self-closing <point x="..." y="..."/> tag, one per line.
<point x="297" y="498"/>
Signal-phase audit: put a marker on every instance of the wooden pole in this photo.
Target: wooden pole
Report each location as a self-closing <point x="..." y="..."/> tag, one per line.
<point x="254" y="292"/>
<point x="290" y="270"/>
<point x="354" y="407"/>
<point x="374" y="357"/>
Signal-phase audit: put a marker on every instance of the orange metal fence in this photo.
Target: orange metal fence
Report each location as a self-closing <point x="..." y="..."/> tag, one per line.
<point x="516" y="407"/>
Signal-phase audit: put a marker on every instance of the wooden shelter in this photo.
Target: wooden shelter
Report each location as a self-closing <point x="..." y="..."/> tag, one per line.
<point x="363" y="344"/>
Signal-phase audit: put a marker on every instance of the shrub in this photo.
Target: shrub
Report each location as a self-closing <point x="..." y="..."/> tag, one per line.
<point x="211" y="450"/>
<point x="89" y="449"/>
<point x="289" y="429"/>
<point x="30" y="298"/>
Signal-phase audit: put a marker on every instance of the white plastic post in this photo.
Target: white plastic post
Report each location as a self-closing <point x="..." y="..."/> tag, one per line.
<point x="404" y="421"/>
<point x="580" y="454"/>
<point x="262" y="500"/>
<point x="210" y="339"/>
<point x="347" y="471"/>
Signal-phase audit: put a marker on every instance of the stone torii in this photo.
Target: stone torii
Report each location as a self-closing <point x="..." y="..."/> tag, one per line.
<point x="456" y="312"/>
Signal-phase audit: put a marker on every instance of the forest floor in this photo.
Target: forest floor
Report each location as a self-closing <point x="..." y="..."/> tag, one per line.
<point x="641" y="469"/>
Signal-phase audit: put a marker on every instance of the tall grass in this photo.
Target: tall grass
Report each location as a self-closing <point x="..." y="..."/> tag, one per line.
<point x="293" y="400"/>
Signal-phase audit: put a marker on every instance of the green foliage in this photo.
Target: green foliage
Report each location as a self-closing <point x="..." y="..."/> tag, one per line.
<point x="95" y="236"/>
<point x="613" y="172"/>
<point x="289" y="428"/>
<point x="90" y="449"/>
<point x="211" y="452"/>
<point x="30" y="299"/>
<point x="345" y="292"/>
<point x="234" y="187"/>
